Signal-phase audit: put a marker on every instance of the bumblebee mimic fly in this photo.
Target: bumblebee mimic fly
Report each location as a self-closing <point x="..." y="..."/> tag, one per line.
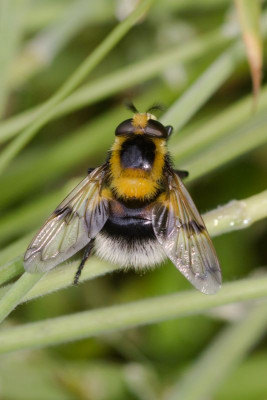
<point x="133" y="210"/>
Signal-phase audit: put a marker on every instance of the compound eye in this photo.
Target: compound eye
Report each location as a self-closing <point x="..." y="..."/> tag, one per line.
<point x="156" y="129"/>
<point x="125" y="128"/>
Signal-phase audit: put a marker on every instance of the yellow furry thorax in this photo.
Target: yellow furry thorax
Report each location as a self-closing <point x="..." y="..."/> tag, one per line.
<point x="134" y="188"/>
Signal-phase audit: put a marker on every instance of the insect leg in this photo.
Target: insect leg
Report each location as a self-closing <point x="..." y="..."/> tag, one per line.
<point x="181" y="174"/>
<point x="86" y="255"/>
<point x="169" y="130"/>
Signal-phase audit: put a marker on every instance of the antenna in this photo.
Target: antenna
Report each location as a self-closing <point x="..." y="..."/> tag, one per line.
<point x="131" y="107"/>
<point x="155" y="107"/>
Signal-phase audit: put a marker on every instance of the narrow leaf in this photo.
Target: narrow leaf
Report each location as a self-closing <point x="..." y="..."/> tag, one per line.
<point x="249" y="17"/>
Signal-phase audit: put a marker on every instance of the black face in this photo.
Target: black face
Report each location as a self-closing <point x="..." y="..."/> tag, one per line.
<point x="153" y="129"/>
<point x="138" y="152"/>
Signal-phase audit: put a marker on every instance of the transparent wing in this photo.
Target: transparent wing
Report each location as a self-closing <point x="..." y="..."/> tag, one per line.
<point x="72" y="225"/>
<point x="181" y="231"/>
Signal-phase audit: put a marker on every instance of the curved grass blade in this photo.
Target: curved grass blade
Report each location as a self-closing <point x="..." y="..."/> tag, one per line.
<point x="75" y="79"/>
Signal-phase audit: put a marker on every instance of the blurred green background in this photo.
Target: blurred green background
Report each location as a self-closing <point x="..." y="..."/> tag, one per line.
<point x="42" y="43"/>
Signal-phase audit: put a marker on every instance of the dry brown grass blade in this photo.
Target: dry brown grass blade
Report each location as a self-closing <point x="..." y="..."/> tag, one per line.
<point x="249" y="17"/>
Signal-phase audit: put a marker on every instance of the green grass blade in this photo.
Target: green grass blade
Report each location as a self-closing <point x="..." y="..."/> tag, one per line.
<point x="11" y="16"/>
<point x="204" y="87"/>
<point x="143" y="312"/>
<point x="237" y="214"/>
<point x="75" y="79"/>
<point x="16" y="293"/>
<point x="41" y="50"/>
<point x="197" y="138"/>
<point x="13" y="250"/>
<point x="12" y="268"/>
<point x="117" y="81"/>
<point x="23" y="219"/>
<point x="242" y="140"/>
<point x="61" y="277"/>
<point x="202" y="381"/>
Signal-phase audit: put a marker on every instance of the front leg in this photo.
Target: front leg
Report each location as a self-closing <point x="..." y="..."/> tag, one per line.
<point x="182" y="174"/>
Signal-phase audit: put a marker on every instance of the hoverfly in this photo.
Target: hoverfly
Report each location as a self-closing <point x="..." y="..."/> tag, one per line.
<point x="133" y="210"/>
